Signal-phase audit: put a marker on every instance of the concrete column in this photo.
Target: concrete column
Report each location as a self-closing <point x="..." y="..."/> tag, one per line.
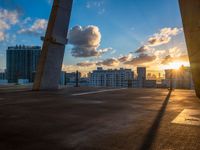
<point x="50" y="64"/>
<point x="190" y="11"/>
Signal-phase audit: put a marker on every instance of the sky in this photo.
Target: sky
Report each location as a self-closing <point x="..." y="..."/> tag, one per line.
<point x="107" y="33"/>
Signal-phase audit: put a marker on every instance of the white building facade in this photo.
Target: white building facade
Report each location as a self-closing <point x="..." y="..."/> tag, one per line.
<point x="111" y="78"/>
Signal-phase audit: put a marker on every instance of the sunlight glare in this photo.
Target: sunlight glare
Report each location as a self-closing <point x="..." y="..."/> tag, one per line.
<point x="175" y="65"/>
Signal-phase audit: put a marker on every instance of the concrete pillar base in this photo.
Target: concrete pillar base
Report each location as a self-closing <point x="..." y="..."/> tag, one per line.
<point x="50" y="64"/>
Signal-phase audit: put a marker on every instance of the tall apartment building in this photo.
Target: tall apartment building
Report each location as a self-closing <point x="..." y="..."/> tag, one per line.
<point x="21" y="62"/>
<point x="141" y="76"/>
<point x="111" y="78"/>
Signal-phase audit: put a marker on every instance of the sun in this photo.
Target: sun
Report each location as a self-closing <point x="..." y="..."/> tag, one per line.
<point x="175" y="65"/>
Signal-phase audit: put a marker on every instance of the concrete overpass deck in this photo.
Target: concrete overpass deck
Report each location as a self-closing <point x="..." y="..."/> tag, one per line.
<point x="83" y="119"/>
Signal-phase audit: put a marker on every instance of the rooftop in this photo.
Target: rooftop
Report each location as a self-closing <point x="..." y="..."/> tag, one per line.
<point x="100" y="119"/>
<point x="23" y="47"/>
<point x="102" y="69"/>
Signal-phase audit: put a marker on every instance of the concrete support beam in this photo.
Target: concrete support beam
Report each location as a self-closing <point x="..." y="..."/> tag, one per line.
<point x="190" y="11"/>
<point x="50" y="64"/>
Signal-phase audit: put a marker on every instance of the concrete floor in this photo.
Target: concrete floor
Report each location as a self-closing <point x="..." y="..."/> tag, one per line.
<point x="126" y="119"/>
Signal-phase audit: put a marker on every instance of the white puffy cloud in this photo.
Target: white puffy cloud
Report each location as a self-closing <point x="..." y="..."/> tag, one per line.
<point x="85" y="41"/>
<point x="125" y="58"/>
<point x="105" y="50"/>
<point x="163" y="36"/>
<point x="2" y="36"/>
<point x="11" y="17"/>
<point x="167" y="56"/>
<point x="148" y="52"/>
<point x="156" y="40"/>
<point x="141" y="59"/>
<point x="37" y="28"/>
<point x="173" y="52"/>
<point x="170" y="31"/>
<point x="7" y="19"/>
<point x="4" y="25"/>
<point x="143" y="49"/>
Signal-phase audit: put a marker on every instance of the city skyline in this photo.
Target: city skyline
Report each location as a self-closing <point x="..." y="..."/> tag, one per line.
<point x="107" y="34"/>
<point x="100" y="74"/>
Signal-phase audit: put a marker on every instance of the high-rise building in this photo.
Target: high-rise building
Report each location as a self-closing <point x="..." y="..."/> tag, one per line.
<point x="181" y="78"/>
<point x="21" y="62"/>
<point x="141" y="76"/>
<point x="111" y="78"/>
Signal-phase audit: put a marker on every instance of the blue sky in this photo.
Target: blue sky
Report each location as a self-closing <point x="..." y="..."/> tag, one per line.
<point x="124" y="26"/>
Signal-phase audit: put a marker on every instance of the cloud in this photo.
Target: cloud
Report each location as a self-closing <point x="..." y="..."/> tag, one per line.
<point x="11" y="17"/>
<point x="37" y="28"/>
<point x="2" y="36"/>
<point x="163" y="36"/>
<point x="125" y="58"/>
<point x="156" y="41"/>
<point x="4" y="25"/>
<point x="148" y="52"/>
<point x="85" y="64"/>
<point x="69" y="68"/>
<point x="105" y="50"/>
<point x="84" y="52"/>
<point x="107" y="62"/>
<point x="111" y="62"/>
<point x="168" y="59"/>
<point x="173" y="52"/>
<point x="7" y="19"/>
<point x="170" y="31"/>
<point x="97" y="5"/>
<point x="143" y="49"/>
<point x="26" y="21"/>
<point x="141" y="59"/>
<point x="85" y="41"/>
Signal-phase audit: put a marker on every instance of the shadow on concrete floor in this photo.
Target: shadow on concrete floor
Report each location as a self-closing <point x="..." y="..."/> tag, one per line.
<point x="151" y="134"/>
